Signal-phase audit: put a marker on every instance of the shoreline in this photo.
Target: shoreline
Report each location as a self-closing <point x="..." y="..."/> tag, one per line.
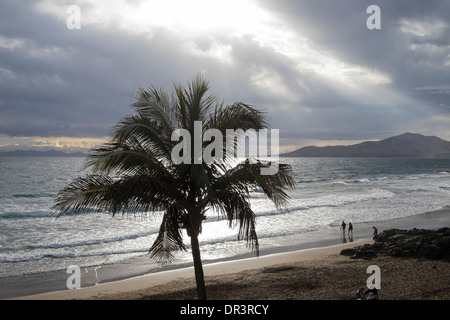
<point x="115" y="276"/>
<point x="128" y="286"/>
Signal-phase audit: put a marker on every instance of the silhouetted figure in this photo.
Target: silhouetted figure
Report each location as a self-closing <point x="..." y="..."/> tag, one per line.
<point x="350" y="231"/>
<point x="375" y="234"/>
<point x="343" y="225"/>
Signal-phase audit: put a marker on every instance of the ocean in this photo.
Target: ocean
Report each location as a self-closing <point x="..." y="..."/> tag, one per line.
<point x="329" y="190"/>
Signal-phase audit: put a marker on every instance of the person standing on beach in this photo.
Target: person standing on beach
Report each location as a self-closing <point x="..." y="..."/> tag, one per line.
<point x="350" y="230"/>
<point x="343" y="227"/>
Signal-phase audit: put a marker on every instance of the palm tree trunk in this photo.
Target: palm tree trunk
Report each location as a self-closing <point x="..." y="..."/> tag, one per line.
<point x="198" y="267"/>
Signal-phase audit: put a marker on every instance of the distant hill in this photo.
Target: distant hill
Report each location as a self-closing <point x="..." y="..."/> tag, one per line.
<point x="404" y="145"/>
<point x="34" y="153"/>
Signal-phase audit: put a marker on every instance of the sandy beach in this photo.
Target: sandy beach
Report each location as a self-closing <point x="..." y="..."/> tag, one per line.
<point x="310" y="274"/>
<point x="316" y="271"/>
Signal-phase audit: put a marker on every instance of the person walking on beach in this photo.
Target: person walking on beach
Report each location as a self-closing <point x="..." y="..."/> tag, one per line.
<point x="343" y="229"/>
<point x="343" y="226"/>
<point x="350" y="230"/>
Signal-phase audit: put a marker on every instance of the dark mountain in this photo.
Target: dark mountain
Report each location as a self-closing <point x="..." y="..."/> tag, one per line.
<point x="404" y="145"/>
<point x="33" y="153"/>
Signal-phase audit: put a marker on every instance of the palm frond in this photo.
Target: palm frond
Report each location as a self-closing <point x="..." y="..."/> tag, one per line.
<point x="233" y="202"/>
<point x="249" y="175"/>
<point x="182" y="108"/>
<point x="156" y="104"/>
<point x="128" y="194"/>
<point x="199" y="102"/>
<point x="230" y="196"/>
<point x="237" y="116"/>
<point x="169" y="238"/>
<point x="243" y="120"/>
<point x="141" y="193"/>
<point x="125" y="158"/>
<point x="83" y="193"/>
<point x="247" y="228"/>
<point x="152" y="135"/>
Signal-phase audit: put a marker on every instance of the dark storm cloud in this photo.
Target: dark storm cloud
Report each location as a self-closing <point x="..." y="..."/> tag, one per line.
<point x="55" y="81"/>
<point x="412" y="48"/>
<point x="46" y="81"/>
<point x="332" y="78"/>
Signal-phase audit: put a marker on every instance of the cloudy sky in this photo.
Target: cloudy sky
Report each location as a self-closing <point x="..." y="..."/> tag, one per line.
<point x="314" y="66"/>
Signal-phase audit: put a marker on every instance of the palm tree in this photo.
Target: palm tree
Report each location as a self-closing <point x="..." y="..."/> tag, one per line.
<point x="134" y="172"/>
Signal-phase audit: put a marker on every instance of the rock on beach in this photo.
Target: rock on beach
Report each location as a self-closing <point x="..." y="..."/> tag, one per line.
<point x="414" y="243"/>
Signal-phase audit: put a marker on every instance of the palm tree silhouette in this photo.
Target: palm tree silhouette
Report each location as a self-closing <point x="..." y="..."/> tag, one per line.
<point x="134" y="172"/>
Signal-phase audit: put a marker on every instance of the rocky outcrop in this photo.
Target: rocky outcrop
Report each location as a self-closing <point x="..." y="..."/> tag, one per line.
<point x="415" y="243"/>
